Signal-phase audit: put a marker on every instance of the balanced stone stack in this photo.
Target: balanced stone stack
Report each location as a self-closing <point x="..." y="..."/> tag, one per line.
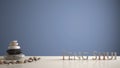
<point x="14" y="51"/>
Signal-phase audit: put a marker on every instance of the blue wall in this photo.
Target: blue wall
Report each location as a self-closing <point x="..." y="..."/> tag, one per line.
<point x="49" y="27"/>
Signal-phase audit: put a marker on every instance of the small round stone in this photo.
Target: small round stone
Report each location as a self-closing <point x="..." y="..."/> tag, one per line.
<point x="30" y="59"/>
<point x="1" y="62"/>
<point x="5" y="62"/>
<point x="38" y="58"/>
<point x="25" y="61"/>
<point x="35" y="59"/>
<point x="18" y="62"/>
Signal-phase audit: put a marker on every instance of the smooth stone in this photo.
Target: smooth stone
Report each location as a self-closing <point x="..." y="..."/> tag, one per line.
<point x="14" y="57"/>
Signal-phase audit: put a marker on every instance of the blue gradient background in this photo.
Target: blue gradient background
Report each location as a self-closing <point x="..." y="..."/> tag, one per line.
<point x="49" y="27"/>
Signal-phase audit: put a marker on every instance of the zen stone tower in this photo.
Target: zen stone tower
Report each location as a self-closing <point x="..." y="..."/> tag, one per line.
<point x="14" y="51"/>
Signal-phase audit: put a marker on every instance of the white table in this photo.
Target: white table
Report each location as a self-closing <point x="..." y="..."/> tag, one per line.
<point x="56" y="62"/>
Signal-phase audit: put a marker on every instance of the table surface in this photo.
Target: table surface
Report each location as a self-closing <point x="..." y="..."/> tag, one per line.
<point x="57" y="62"/>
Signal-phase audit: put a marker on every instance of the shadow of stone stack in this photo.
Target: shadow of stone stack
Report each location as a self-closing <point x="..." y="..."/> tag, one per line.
<point x="14" y="51"/>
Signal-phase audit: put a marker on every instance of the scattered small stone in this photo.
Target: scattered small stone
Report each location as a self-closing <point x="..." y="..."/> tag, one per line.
<point x="19" y="62"/>
<point x="0" y="62"/>
<point x="38" y="58"/>
<point x="29" y="60"/>
<point x="5" y="62"/>
<point x="25" y="61"/>
<point x="35" y="58"/>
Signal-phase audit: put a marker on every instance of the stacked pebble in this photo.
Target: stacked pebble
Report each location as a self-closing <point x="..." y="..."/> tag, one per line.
<point x="14" y="52"/>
